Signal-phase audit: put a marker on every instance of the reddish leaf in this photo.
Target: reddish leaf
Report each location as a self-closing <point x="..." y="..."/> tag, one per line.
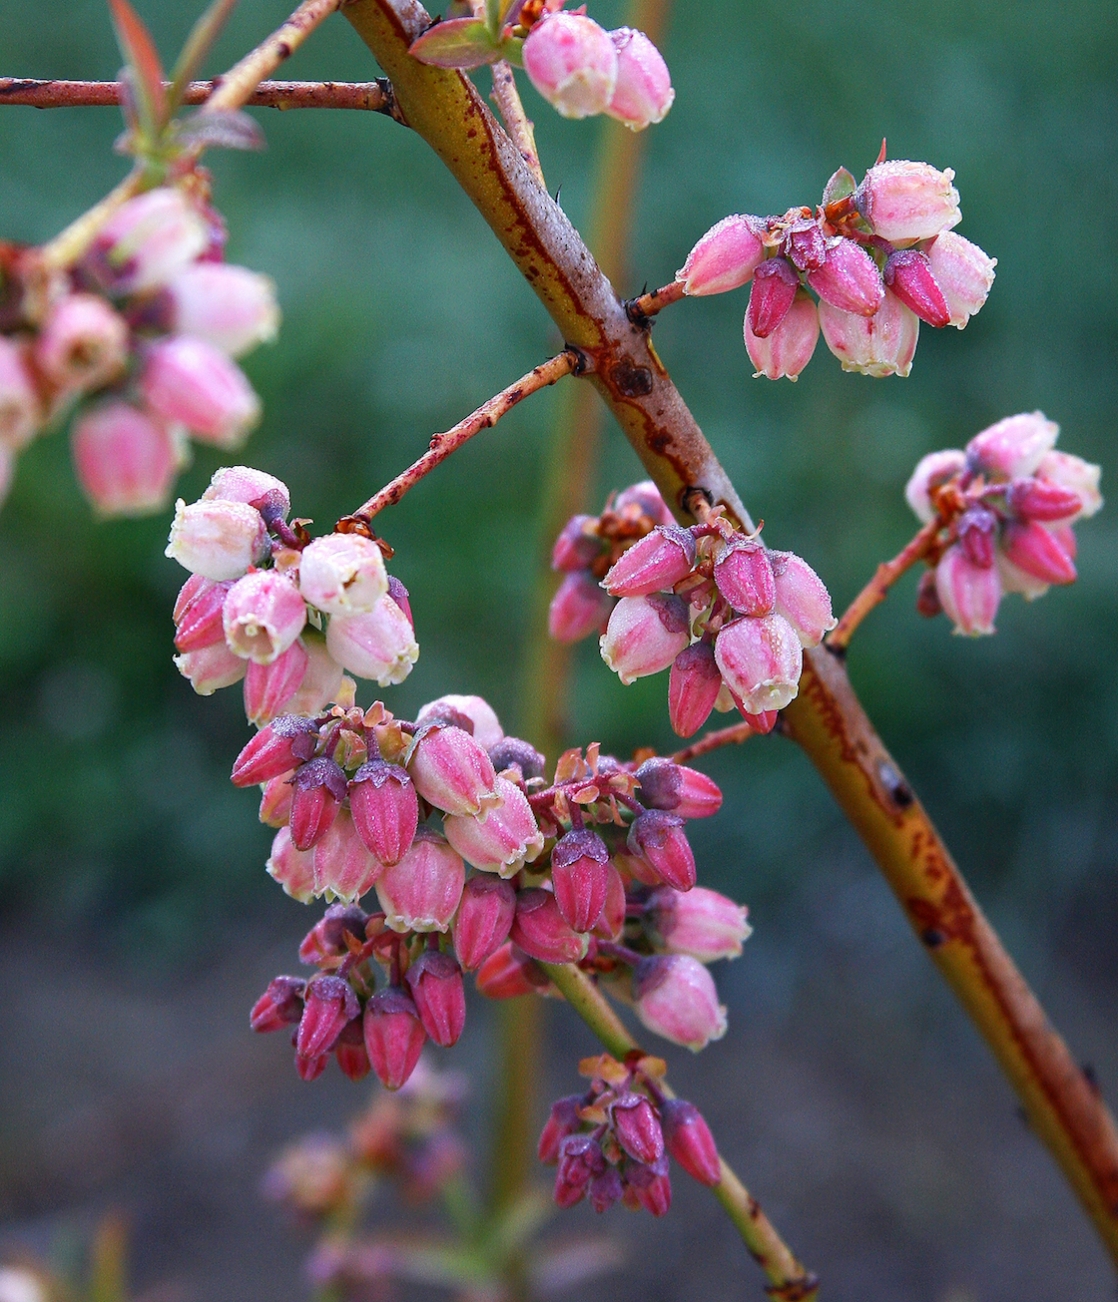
<point x="458" y="43"/>
<point x="139" y="50"/>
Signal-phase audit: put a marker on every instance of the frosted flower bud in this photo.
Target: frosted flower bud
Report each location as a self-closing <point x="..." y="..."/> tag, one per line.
<point x="1037" y="551"/>
<point x="487" y="730"/>
<point x="761" y="661"/>
<point x="932" y="471"/>
<point x="675" y="997"/>
<point x="269" y="688"/>
<point x="244" y="484"/>
<point x="263" y="615"/>
<point x="481" y="925"/>
<point x="637" y="1127"/>
<point x="380" y="645"/>
<point x="329" y="1003"/>
<point x="422" y="891"/>
<point x="190" y="381"/>
<point x="744" y="576"/>
<point x="509" y="972"/>
<point x="275" y="800"/>
<point x="702" y="923"/>
<point x="693" y="688"/>
<point x="690" y="1142"/>
<point x="658" y="838"/>
<point x="452" y="771"/>
<point x="435" y="981"/>
<point x="322" y="679"/>
<point x="147" y="240"/>
<point x="394" y="1036"/>
<point x="1072" y="472"/>
<point x="725" y="258"/>
<point x="611" y="921"/>
<point x="319" y="789"/>
<point x="654" y="564"/>
<point x="573" y="64"/>
<point x="664" y="784"/>
<point x="198" y="621"/>
<point x="542" y="932"/>
<point x="20" y="410"/>
<point x="508" y="837"/>
<point x="964" y="274"/>
<point x="774" y="290"/>
<point x="788" y="349"/>
<point x="908" y="273"/>
<point x="644" y="635"/>
<point x="125" y="460"/>
<point x="1037" y="498"/>
<point x="230" y="307"/>
<point x="342" y="574"/>
<point x="802" y="598"/>
<point x="1013" y="447"/>
<point x="579" y="608"/>
<point x="575" y="548"/>
<point x="292" y="868"/>
<point x="968" y="593"/>
<point x="906" y="201"/>
<point x="848" y="279"/>
<point x="878" y="345"/>
<point x="978" y="529"/>
<point x="83" y="343"/>
<point x="643" y="91"/>
<point x="343" y="866"/>
<point x="279" y="1006"/>
<point x="804" y="244"/>
<point x="580" y="877"/>
<point x="275" y="749"/>
<point x="385" y="809"/>
<point x="211" y="668"/>
<point x="513" y="752"/>
<point x="580" y="1159"/>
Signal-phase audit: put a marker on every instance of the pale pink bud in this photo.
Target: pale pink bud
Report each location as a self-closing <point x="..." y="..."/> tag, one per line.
<point x="452" y="771"/>
<point x="906" y="201"/>
<point x="1035" y="549"/>
<point x="422" y="891"/>
<point x="658" y="838"/>
<point x="293" y="869"/>
<point x="744" y="576"/>
<point x="218" y="540"/>
<point x="505" y="840"/>
<point x="125" y="460"/>
<point x="435" y="981"/>
<point x="1013" y="447"/>
<point x="656" y="563"/>
<point x="319" y="789"/>
<point x="804" y="244"/>
<point x="572" y="62"/>
<point x="329" y="1003"/>
<point x="1072" y="472"/>
<point x="563" y="1120"/>
<point x="789" y="348"/>
<point x="576" y="547"/>
<point x="761" y="661"/>
<point x="244" y="484"/>
<point x="263" y="615"/>
<point x="878" y="345"/>
<point x="693" y="688"/>
<point x="702" y="923"/>
<point x="279" y="747"/>
<point x="964" y="274"/>
<point x="637" y="1127"/>
<point x="147" y="240"/>
<point x="197" y="613"/>
<point x="580" y="607"/>
<point x="774" y="290"/>
<point x="542" y="932"/>
<point x="580" y="877"/>
<point x="726" y="256"/>
<point x="279" y="1006"/>
<point x="394" y="1036"/>
<point x="485" y="914"/>
<point x="380" y="645"/>
<point x="269" y="687"/>
<point x="20" y="410"/>
<point x="343" y="574"/>
<point x="675" y="997"/>
<point x="275" y="800"/>
<point x="802" y="598"/>
<point x="1014" y="579"/>
<point x="83" y="343"/>
<point x="343" y="866"/>
<point x="977" y="529"/>
<point x="908" y="273"/>
<point x="508" y="972"/>
<point x="385" y="808"/>
<point x="645" y="496"/>
<point x="643" y="91"/>
<point x="322" y="679"/>
<point x="690" y="1142"/>
<point x="190" y="381"/>
<point x="968" y="593"/>
<point x="932" y="471"/>
<point x="644" y="635"/>
<point x="453" y="708"/>
<point x="1037" y="498"/>
<point x="848" y="279"/>
<point x="230" y="307"/>
<point x="211" y="668"/>
<point x="678" y="789"/>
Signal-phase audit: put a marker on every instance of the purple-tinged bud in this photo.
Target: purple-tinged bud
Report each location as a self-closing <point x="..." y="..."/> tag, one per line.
<point x="932" y="472"/>
<point x="789" y="348"/>
<point x="329" y="1003"/>
<point x="762" y="723"/>
<point x="343" y="574"/>
<point x="878" y="345"/>
<point x="83" y="343"/>
<point x="964" y="274"/>
<point x="230" y="307"/>
<point x="908" y="273"/>
<point x="263" y="615"/>
<point x="644" y="635"/>
<point x="576" y="547"/>
<point x="514" y="752"/>
<point x="643" y="91"/>
<point x="385" y="809"/>
<point x="606" y="1189"/>
<point x="651" y="1185"/>
<point x="725" y="258"/>
<point x="280" y="1005"/>
<point x="676" y="998"/>
<point x="147" y="240"/>
<point x="580" y="877"/>
<point x="744" y="576"/>
<point x="542" y="932"/>
<point x="659" y="839"/>
<point x="275" y="800"/>
<point x="198" y="621"/>
<point x="656" y="563"/>
<point x="702" y="923"/>
<point x="20" y="410"/>
<point x="328" y="937"/>
<point x="646" y="497"/>
<point x="422" y="892"/>
<point x="343" y="867"/>
<point x="572" y="62"/>
<point x="452" y="771"/>
<point x="380" y="645"/>
<point x="487" y="730"/>
<point x="611" y="921"/>
<point x="761" y="661"/>
<point x="218" y="540"/>
<point x="211" y="668"/>
<point x="279" y="747"/>
<point x="399" y="595"/>
<point x="319" y="789"/>
<point x="978" y="535"/>
<point x="190" y="381"/>
<point x="684" y="791"/>
<point x="1037" y="498"/>
<point x="562" y="1121"/>
<point x="435" y="981"/>
<point x="484" y="917"/>
<point x="580" y="1158"/>
<point x="690" y="1142"/>
<point x="394" y="1036"/>
<point x="508" y="973"/>
<point x="774" y="290"/>
<point x="693" y="688"/>
<point x="322" y="679"/>
<point x="293" y="869"/>
<point x="502" y="842"/>
<point x="269" y="688"/>
<point x="1072" y="472"/>
<point x="906" y="201"/>
<point x="350" y="1051"/>
<point x="928" y="603"/>
<point x="968" y="593"/>
<point x="125" y="459"/>
<point x="1013" y="447"/>
<point x="1037" y="551"/>
<point x="804" y="244"/>
<point x="253" y="487"/>
<point x="637" y="1127"/>
<point x="311" y="1068"/>
<point x="580" y="607"/>
<point x="848" y="279"/>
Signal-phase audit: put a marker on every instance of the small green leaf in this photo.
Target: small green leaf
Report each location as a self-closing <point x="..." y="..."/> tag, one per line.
<point x="198" y="44"/>
<point x="143" y="59"/>
<point x="838" y="187"/>
<point x="458" y="43"/>
<point x="512" y="50"/>
<point x="493" y="17"/>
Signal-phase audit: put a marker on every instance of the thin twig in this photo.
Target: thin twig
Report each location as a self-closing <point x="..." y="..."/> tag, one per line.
<point x="647" y="305"/>
<point x="373" y="96"/>
<point x="731" y="736"/>
<point x="517" y="123"/>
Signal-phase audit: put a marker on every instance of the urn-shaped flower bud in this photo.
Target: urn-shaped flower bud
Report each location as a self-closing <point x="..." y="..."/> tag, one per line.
<point x="504" y="840"/>
<point x="263" y="615"/>
<point x="217" y="539"/>
<point x="878" y="345"/>
<point x="690" y="1142"/>
<point x="343" y="574"/>
<point x="678" y="789"/>
<point x="211" y="668"/>
<point x="515" y="753"/>
<point x="702" y="923"/>
<point x="968" y="593"/>
<point x="658" y="838"/>
<point x="744" y="576"/>
<point x="726" y="256"/>
<point x="423" y="890"/>
<point x="774" y="289"/>
<point x="1037" y="551"/>
<point x="452" y="771"/>
<point x="964" y="274"/>
<point x="1073" y="473"/>
<point x="394" y="1036"/>
<point x="83" y="343"/>
<point x="651" y="1186"/>
<point x="761" y="661"/>
<point x="675" y="996"/>
<point x="483" y="920"/>
<point x="279" y="1006"/>
<point x="292" y="868"/>
<point x="379" y="645"/>
<point x="908" y="273"/>
<point x="476" y="710"/>
<point x="435" y="981"/>
<point x="802" y="598"/>
<point x="275" y="800"/>
<point x="197" y="616"/>
<point x="655" y="563"/>
<point x="508" y="972"/>
<point x="580" y="1159"/>
<point x="787" y="350"/>
<point x="282" y="745"/>
<point x="190" y="381"/>
<point x="269" y="688"/>
<point x="804" y="244"/>
<point x="580" y="607"/>
<point x="580" y="876"/>
<point x="321" y="680"/>
<point x="319" y="788"/>
<point x="350" y="1051"/>
<point x="572" y="62"/>
<point x="20" y="410"/>
<point x="125" y="459"/>
<point x="385" y="809"/>
<point x="343" y="866"/>
<point x="244" y="484"/>
<point x="611" y="920"/>
<point x="848" y="279"/>
<point x="643" y="91"/>
<point x="329" y="1003"/>
<point x="906" y="201"/>
<point x="644" y="635"/>
<point x="563" y="1120"/>
<point x="978" y="533"/>
<point x="1037" y="498"/>
<point x="230" y="307"/>
<point x="1013" y="447"/>
<point x="542" y="932"/>
<point x="693" y="688"/>
<point x="576" y="547"/>
<point x="606" y="1189"/>
<point x="637" y="1127"/>
<point x="147" y="240"/>
<point x="932" y="472"/>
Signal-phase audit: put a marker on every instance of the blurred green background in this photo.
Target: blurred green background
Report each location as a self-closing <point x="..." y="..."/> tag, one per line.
<point x="401" y="314"/>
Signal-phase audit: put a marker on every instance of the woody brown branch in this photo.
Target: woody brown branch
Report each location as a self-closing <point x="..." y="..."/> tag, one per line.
<point x="372" y="96"/>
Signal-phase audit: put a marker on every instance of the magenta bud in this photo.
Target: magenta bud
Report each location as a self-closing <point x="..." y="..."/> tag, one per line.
<point x="274" y="750"/>
<point x="932" y="472"/>
<point x="329" y="1003"/>
<point x="542" y="932"/>
<point x="643" y="91"/>
<point x="435" y="981"/>
<point x="978" y="533"/>
<point x="804" y="244"/>
<point x="263" y="615"/>
<point x="342" y="865"/>
<point x="20" y="410"/>
<point x="452" y="771"/>
<point x="645" y="634"/>
<point x="611" y="921"/>
<point x="343" y="574"/>
<point x="379" y="645"/>
<point x="905" y="201"/>
<point x="1041" y="499"/>
<point x="580" y="607"/>
<point x="878" y="345"/>
<point x="690" y="1142"/>
<point x="908" y="273"/>
<point x="654" y="564"/>
<point x="580" y="1158"/>
<point x="230" y="307"/>
<point x="394" y="1035"/>
<point x="563" y="1120"/>
<point x="268" y="688"/>
<point x="606" y="1189"/>
<point x="580" y="876"/>
<point x="481" y="925"/>
<point x="651" y="1186"/>
<point x="385" y="809"/>
<point x="725" y="258"/>
<point x="508" y="973"/>
<point x="210" y="668"/>
<point x="637" y="1127"/>
<point x="293" y="869"/>
<point x="1072" y="472"/>
<point x="280" y="1005"/>
<point x="744" y="576"/>
<point x="964" y="274"/>
<point x="190" y="381"/>
<point x="198" y="621"/>
<point x="422" y="892"/>
<point x="473" y="714"/>
<point x="1038" y="551"/>
<point x="785" y="351"/>
<point x="681" y="790"/>
<point x="848" y="279"/>
<point x="311" y="1068"/>
<point x="761" y="660"/>
<point x="675" y="997"/>
<point x="573" y="64"/>
<point x="577" y="545"/>
<point x="350" y="1052"/>
<point x="658" y="838"/>
<point x="774" y="290"/>
<point x="319" y="789"/>
<point x="504" y="840"/>
<point x="125" y="459"/>
<point x="762" y="723"/>
<point x="83" y="343"/>
<point x="275" y="800"/>
<point x="1014" y="447"/>
<point x="968" y="593"/>
<point x="514" y="753"/>
<point x="702" y="923"/>
<point x="693" y="688"/>
<point x="329" y="937"/>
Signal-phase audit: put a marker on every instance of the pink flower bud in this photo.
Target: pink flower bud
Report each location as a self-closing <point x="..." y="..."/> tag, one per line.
<point x="292" y="868"/>
<point x="329" y="1003"/>
<point x="211" y="668"/>
<point x="541" y="930"/>
<point x="319" y="789"/>
<point x="125" y="460"/>
<point x="580" y="607"/>
<point x="198" y="621"/>
<point x="702" y="923"/>
<point x="762" y="723"/>
<point x="744" y="576"/>
<point x="435" y="981"/>
<point x="693" y="688"/>
<point x="244" y="484"/>
<point x="380" y="645"/>
<point x="637" y="1127"/>
<point x="147" y="240"/>
<point x="580" y="1158"/>
<point x="399" y="595"/>
<point x="651" y="1186"/>
<point x="83" y="343"/>
<point x="932" y="471"/>
<point x="580" y="877"/>
<point x="1013" y="447"/>
<point x="332" y="935"/>
<point x="1034" y="549"/>
<point x="218" y="540"/>
<point x="643" y="91"/>
<point x="311" y="1068"/>
<point x="655" y="563"/>
<point x="269" y="688"/>
<point x="279" y="747"/>
<point x="611" y="920"/>
<point x="848" y="279"/>
<point x="572" y="62"/>
<point x="968" y="593"/>
<point x="279" y="1006"/>
<point x="1036" y="498"/>
<point x="789" y="348"/>
<point x="508" y="973"/>
<point x="350" y="1051"/>
<point x="606" y="1189"/>
<point x="646" y="497"/>
<point x="190" y="381"/>
<point x="576" y="548"/>
<point x="385" y="809"/>
<point x="964" y="274"/>
<point x="725" y="258"/>
<point x="690" y="1142"/>
<point x="343" y="574"/>
<point x="487" y="730"/>
<point x="678" y="789"/>
<point x="802" y="598"/>
<point x="483" y="920"/>
<point x="977" y="529"/>
<point x="878" y="345"/>
<point x="675" y="997"/>
<point x="908" y="273"/>
<point x="422" y="892"/>
<point x="644" y="635"/>
<point x="905" y="201"/>
<point x="452" y="771"/>
<point x="394" y="1036"/>
<point x="20" y="410"/>
<point x="761" y="661"/>
<point x="562" y="1121"/>
<point x="774" y="290"/>
<point x="1071" y="472"/>
<point x="263" y="615"/>
<point x="502" y="842"/>
<point x="343" y="866"/>
<point x="230" y="307"/>
<point x="658" y="838"/>
<point x="321" y="680"/>
<point x="275" y="800"/>
<point x="804" y="244"/>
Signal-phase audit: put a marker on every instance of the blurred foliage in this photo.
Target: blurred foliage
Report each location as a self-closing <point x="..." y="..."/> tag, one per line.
<point x="401" y="314"/>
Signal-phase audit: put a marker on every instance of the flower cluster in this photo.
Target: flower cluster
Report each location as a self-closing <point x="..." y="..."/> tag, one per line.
<point x="149" y="320"/>
<point x="611" y="1144"/>
<point x="1006" y="506"/>
<point x="730" y="616"/>
<point x="882" y="257"/>
<point x="288" y="614"/>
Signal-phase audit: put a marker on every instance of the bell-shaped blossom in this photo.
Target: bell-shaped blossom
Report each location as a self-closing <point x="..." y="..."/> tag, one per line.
<point x="502" y="842"/>
<point x="904" y="201"/>
<point x="484" y="918"/>
<point x="744" y="576"/>
<point x="343" y="866"/>
<point x="1072" y="472"/>
<point x="964" y="274"/>
<point x="319" y="789"/>
<point x="379" y="645"/>
<point x="725" y="258"/>
<point x="658" y="838"/>
<point x="343" y="574"/>
<point x="908" y="273"/>
<point x="435" y="982"/>
<point x="932" y="471"/>
<point x="688" y="1139"/>
<point x="453" y="772"/>
<point x="848" y="279"/>
<point x="878" y="345"/>
<point x="197" y="615"/>
<point x="230" y="307"/>
<point x="217" y="539"/>
<point x="423" y="890"/>
<point x="190" y="381"/>
<point x="693" y="688"/>
<point x="700" y="922"/>
<point x="642" y="93"/>
<point x="802" y="598"/>
<point x="775" y="284"/>
<point x="760" y="661"/>
<point x="675" y="996"/>
<point x="277" y="748"/>
<point x="211" y="668"/>
<point x="245" y="484"/>
<point x="1036" y="550"/>
<point x="785" y="351"/>
<point x="394" y="1036"/>
<point x="147" y="240"/>
<point x="968" y="593"/>
<point x="452" y="707"/>
<point x="83" y="343"/>
<point x="542" y="932"/>
<point x="292" y="868"/>
<point x="322" y="678"/>
<point x="263" y="615"/>
<point x="580" y="607"/>
<point x="580" y="877"/>
<point x="1013" y="447"/>
<point x="269" y="687"/>
<point x="655" y="563"/>
<point x="644" y="635"/>
<point x="385" y="809"/>
<point x="573" y="64"/>
<point x="125" y="459"/>
<point x="20" y="410"/>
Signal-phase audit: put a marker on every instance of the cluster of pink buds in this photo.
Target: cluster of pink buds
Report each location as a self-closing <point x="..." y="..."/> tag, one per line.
<point x="882" y="257"/>
<point x="287" y="614"/>
<point x="730" y="616"/>
<point x="1006" y="506"/>
<point x="611" y="1144"/>
<point x="147" y="324"/>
